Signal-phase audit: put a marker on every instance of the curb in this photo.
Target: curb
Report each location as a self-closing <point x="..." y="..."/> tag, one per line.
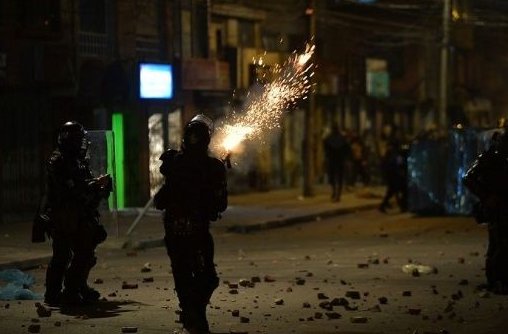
<point x="298" y="219"/>
<point x="26" y="264"/>
<point x="271" y="224"/>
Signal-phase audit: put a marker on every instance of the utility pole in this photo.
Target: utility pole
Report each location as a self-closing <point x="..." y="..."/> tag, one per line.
<point x="443" y="86"/>
<point x="308" y="135"/>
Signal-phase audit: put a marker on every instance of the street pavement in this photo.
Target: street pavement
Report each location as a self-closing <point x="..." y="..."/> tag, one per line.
<point x="246" y="213"/>
<point x="343" y="274"/>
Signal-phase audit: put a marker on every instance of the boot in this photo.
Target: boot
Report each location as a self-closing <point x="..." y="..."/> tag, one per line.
<point x="71" y="298"/>
<point x="54" y="279"/>
<point x="89" y="294"/>
<point x="53" y="299"/>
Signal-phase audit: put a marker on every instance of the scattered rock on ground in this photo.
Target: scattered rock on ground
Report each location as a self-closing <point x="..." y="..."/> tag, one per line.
<point x="126" y="285"/>
<point x="42" y="311"/>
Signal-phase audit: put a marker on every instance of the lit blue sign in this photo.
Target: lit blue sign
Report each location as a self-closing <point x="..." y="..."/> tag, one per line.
<point x="155" y="81"/>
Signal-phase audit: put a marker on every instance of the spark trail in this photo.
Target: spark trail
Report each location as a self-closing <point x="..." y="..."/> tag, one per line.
<point x="291" y="82"/>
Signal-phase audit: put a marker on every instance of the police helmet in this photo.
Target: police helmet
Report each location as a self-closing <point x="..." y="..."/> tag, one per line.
<point x="72" y="139"/>
<point x="197" y="133"/>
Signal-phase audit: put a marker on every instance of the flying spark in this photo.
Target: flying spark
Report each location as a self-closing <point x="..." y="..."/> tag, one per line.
<point x="291" y="83"/>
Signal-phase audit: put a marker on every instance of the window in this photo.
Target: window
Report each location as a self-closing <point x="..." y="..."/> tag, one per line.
<point x="247" y="34"/>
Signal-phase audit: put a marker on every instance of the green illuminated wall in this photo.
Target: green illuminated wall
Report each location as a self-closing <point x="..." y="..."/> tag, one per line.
<point x="118" y="134"/>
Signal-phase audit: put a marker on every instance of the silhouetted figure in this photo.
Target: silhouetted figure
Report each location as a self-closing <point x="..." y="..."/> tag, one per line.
<point x="359" y="161"/>
<point x="71" y="219"/>
<point x="487" y="179"/>
<point x="392" y="168"/>
<point x="194" y="194"/>
<point x="336" y="150"/>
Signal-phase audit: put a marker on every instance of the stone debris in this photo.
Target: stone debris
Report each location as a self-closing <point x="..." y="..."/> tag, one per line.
<point x="326" y="306"/>
<point x="309" y="274"/>
<point x="383" y="300"/>
<point x="414" y="311"/>
<point x="132" y="253"/>
<point x="375" y="308"/>
<point x="458" y="295"/>
<point x="448" y="307"/>
<point x="306" y="305"/>
<point x="58" y="324"/>
<point x="244" y="320"/>
<point x="233" y="292"/>
<point x="333" y="315"/>
<point x="461" y="260"/>
<point x="484" y="294"/>
<point x="243" y="282"/>
<point x="339" y="302"/>
<point x="126" y="285"/>
<point x="129" y="329"/>
<point x="34" y="328"/>
<point x="353" y="294"/>
<point x="279" y="301"/>
<point x="7" y="305"/>
<point x="322" y="296"/>
<point x="42" y="311"/>
<point x="318" y="315"/>
<point x="463" y="282"/>
<point x="147" y="279"/>
<point x="255" y="279"/>
<point x="406" y="293"/>
<point x="98" y="281"/>
<point x="147" y="267"/>
<point x="289" y="289"/>
<point x="351" y="307"/>
<point x="362" y="265"/>
<point x="418" y="269"/>
<point x="300" y="281"/>
<point x="269" y="279"/>
<point x="235" y="313"/>
<point x="359" y="320"/>
<point x="233" y="286"/>
<point x="112" y="294"/>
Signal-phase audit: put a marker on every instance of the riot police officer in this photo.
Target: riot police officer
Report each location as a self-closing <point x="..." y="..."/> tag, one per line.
<point x="194" y="194"/>
<point x="487" y="179"/>
<point x="73" y="196"/>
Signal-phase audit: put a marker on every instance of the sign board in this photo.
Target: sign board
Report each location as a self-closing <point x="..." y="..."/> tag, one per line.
<point x="378" y="78"/>
<point x="205" y="74"/>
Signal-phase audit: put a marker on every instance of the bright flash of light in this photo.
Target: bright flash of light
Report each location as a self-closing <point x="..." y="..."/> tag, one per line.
<point x="290" y="83"/>
<point x="235" y="135"/>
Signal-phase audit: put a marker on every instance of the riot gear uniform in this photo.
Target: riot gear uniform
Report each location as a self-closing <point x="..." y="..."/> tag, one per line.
<point x="194" y="194"/>
<point x="73" y="195"/>
<point x="487" y="179"/>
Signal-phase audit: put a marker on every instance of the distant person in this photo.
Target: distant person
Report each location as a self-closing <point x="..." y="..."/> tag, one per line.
<point x="487" y="179"/>
<point x="392" y="169"/>
<point x="194" y="194"/>
<point x="70" y="218"/>
<point x="359" y="162"/>
<point x="336" y="150"/>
